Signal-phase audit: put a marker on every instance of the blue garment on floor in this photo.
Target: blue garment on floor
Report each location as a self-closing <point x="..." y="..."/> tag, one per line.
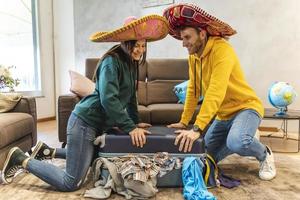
<point x="194" y="185"/>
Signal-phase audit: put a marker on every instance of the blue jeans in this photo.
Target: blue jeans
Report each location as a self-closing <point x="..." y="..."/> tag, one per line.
<point x="225" y="137"/>
<point x="79" y="155"/>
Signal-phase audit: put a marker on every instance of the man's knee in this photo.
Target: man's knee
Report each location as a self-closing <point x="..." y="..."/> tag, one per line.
<point x="237" y="144"/>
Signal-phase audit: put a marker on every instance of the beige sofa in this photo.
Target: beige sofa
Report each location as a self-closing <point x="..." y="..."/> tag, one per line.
<point x="157" y="103"/>
<point x="18" y="127"/>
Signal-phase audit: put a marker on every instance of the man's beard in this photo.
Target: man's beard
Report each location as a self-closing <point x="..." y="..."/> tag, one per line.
<point x="198" y="47"/>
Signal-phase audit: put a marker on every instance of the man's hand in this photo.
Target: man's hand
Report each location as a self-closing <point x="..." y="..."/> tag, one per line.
<point x="177" y="125"/>
<point x="138" y="137"/>
<point x="186" y="139"/>
<point x="143" y="125"/>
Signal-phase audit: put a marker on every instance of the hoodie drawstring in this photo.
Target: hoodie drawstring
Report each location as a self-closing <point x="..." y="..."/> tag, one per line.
<point x="200" y="77"/>
<point x="195" y="92"/>
<point x="195" y="77"/>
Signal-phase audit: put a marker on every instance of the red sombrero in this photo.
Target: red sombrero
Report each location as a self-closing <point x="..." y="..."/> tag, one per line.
<point x="191" y="15"/>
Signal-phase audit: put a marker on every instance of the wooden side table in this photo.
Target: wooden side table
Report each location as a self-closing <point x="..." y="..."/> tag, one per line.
<point x="290" y="115"/>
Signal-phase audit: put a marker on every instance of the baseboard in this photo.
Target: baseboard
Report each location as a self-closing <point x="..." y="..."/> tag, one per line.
<point x="46" y="119"/>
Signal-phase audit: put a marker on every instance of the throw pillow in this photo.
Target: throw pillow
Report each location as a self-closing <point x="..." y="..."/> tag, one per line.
<point x="8" y="101"/>
<point x="81" y="85"/>
<point x="180" y="92"/>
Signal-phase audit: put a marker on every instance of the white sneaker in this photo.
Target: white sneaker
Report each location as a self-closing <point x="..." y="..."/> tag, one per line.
<point x="267" y="167"/>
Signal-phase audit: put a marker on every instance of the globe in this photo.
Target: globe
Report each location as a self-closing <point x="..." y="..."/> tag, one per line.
<point x="280" y="95"/>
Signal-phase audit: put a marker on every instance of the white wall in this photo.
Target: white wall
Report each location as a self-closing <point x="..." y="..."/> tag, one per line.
<point x="91" y="16"/>
<point x="64" y="50"/>
<point x="46" y="103"/>
<point x="56" y="40"/>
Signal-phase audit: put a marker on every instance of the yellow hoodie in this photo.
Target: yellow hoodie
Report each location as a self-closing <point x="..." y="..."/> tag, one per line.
<point x="224" y="87"/>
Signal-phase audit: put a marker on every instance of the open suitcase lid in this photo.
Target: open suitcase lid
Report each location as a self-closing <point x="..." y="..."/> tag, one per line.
<point x="161" y="140"/>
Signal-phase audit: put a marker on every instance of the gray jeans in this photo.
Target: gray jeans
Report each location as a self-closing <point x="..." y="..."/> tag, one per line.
<point x="79" y="155"/>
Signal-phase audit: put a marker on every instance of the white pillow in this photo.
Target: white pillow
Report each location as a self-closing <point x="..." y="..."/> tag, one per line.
<point x="8" y="101"/>
<point x="81" y="85"/>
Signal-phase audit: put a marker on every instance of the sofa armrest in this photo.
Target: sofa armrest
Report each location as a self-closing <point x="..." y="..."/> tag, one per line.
<point x="28" y="105"/>
<point x="66" y="104"/>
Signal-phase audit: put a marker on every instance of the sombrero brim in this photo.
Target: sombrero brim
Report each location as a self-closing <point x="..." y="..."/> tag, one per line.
<point x="151" y="28"/>
<point x="190" y="15"/>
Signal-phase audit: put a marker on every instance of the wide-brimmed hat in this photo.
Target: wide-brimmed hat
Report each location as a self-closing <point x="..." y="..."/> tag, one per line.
<point x="151" y="28"/>
<point x="181" y="15"/>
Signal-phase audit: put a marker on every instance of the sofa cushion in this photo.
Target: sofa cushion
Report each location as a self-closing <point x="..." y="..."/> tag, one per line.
<point x="143" y="72"/>
<point x="142" y="93"/>
<point x="144" y="114"/>
<point x="167" y="69"/>
<point x="161" y="91"/>
<point x="165" y="113"/>
<point x="14" y="126"/>
<point x="168" y="113"/>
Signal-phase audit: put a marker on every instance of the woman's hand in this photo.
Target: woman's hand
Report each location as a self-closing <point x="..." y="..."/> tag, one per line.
<point x="178" y="125"/>
<point x="138" y="137"/>
<point x="143" y="125"/>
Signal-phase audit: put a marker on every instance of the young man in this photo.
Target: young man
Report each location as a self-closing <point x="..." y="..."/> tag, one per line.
<point x="216" y="74"/>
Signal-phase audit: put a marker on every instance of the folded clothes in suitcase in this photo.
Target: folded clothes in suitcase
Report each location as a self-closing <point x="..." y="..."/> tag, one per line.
<point x="161" y="139"/>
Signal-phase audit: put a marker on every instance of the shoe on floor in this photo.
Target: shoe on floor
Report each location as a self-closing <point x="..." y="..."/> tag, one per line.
<point x="12" y="164"/>
<point x="42" y="151"/>
<point x="267" y="167"/>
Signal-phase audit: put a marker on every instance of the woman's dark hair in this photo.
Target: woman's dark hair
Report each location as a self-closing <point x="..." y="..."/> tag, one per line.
<point x="123" y="52"/>
<point x="128" y="46"/>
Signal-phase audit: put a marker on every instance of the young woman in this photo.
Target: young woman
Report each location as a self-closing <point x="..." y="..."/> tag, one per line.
<point x="113" y="104"/>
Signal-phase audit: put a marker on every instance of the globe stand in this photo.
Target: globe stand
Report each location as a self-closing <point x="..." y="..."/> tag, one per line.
<point x="281" y="111"/>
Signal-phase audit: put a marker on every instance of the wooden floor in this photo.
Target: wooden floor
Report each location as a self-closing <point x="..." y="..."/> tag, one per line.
<point x="47" y="132"/>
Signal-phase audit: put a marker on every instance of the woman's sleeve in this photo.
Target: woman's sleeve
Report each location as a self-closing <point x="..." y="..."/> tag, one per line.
<point x="132" y="109"/>
<point x="108" y="85"/>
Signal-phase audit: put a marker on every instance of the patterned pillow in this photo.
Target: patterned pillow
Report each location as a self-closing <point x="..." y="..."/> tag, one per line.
<point x="180" y="91"/>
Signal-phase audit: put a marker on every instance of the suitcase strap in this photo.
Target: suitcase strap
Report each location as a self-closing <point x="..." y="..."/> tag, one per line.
<point x="208" y="170"/>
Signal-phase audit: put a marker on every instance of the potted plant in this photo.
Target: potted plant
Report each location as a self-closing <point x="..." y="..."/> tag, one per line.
<point x="7" y="82"/>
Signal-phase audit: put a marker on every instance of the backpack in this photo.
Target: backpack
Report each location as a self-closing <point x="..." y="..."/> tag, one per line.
<point x="210" y="171"/>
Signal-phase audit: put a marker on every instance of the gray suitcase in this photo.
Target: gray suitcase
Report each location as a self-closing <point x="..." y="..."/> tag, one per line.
<point x="161" y="140"/>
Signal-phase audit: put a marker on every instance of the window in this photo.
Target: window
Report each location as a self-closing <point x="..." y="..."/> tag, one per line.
<point x="18" y="42"/>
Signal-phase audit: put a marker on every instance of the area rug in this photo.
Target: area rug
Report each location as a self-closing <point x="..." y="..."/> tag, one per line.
<point x="286" y="186"/>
